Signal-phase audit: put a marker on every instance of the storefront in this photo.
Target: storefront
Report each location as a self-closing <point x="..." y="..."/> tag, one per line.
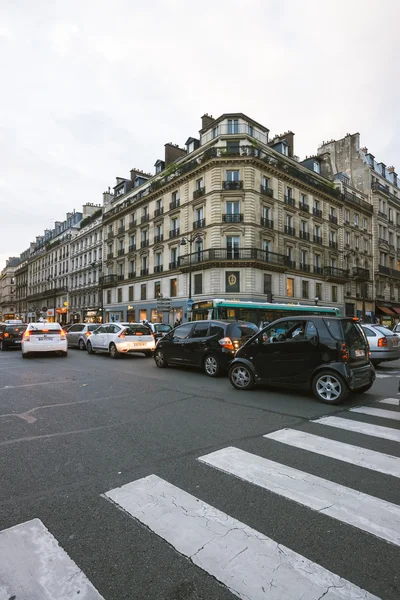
<point x="62" y="315"/>
<point x="92" y="316"/>
<point x="386" y="315"/>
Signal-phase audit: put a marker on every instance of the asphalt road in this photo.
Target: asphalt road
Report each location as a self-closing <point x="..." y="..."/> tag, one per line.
<point x="73" y="429"/>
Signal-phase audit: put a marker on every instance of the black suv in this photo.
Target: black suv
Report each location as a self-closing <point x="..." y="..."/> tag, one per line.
<point x="208" y="344"/>
<point x="11" y="335"/>
<point x="330" y="356"/>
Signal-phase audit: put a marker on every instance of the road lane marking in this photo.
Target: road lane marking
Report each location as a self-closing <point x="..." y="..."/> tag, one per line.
<point x="34" y="567"/>
<point x="362" y="457"/>
<point x="370" y="514"/>
<point x="386" y="433"/>
<point x="251" y="565"/>
<point x="383" y="375"/>
<point x="377" y="412"/>
<point x="393" y="401"/>
<point x="25" y="385"/>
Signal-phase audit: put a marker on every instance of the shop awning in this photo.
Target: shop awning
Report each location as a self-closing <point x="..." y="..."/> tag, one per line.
<point x="397" y="310"/>
<point x="387" y="311"/>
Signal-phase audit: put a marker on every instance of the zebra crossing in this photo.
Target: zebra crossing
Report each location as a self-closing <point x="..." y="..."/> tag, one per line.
<point x="250" y="564"/>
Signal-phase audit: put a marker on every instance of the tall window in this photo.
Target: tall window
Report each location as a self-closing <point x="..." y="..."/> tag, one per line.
<point x="304" y="257"/>
<point x="159" y="259"/>
<point x="267" y="284"/>
<point x="198" y="283"/>
<point x="174" y="256"/>
<point x="143" y="291"/>
<point x="173" y="288"/>
<point x="347" y="216"/>
<point x="157" y="289"/>
<point x="199" y="183"/>
<point x="108" y="297"/>
<point x="265" y="181"/>
<point x="199" y="213"/>
<point x="232" y="246"/>
<point x="304" y="289"/>
<point x="119" y="295"/>
<point x="233" y="125"/>
<point x="145" y="262"/>
<point x="290" y="287"/>
<point x="232" y="208"/>
<point x="233" y="175"/>
<point x="318" y="290"/>
<point x="130" y="293"/>
<point x="174" y="224"/>
<point x="334" y="293"/>
<point x="266" y="213"/>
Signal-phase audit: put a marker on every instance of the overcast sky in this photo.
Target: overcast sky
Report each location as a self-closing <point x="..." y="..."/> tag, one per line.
<point x="92" y="88"/>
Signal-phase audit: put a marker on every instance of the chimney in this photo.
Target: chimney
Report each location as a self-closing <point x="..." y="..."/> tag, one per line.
<point x="173" y="153"/>
<point x="107" y="197"/>
<point x="206" y="120"/>
<point x="289" y="137"/>
<point x="391" y="169"/>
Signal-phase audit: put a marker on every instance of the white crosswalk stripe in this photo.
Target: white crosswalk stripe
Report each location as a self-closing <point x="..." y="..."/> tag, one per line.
<point x="391" y="401"/>
<point x="386" y="433"/>
<point x="34" y="567"/>
<point x="250" y="564"/>
<point x="377" y="412"/>
<point x="355" y="455"/>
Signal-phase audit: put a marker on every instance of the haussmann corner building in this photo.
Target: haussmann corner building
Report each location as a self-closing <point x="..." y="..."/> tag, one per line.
<point x="235" y="215"/>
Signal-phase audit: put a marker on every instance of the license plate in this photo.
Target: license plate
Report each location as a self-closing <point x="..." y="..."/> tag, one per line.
<point x="359" y="353"/>
<point x="139" y="344"/>
<point x="45" y="337"/>
<point x="17" y="341"/>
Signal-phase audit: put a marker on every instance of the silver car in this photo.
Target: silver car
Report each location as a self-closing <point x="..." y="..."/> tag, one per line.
<point x="384" y="344"/>
<point x="78" y="334"/>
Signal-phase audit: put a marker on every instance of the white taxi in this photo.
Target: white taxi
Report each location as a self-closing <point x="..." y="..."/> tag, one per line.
<point x="121" y="338"/>
<point x="44" y="337"/>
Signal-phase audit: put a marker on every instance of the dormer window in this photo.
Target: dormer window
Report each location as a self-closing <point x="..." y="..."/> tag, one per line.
<point x="285" y="150"/>
<point x="317" y="167"/>
<point x="233" y="126"/>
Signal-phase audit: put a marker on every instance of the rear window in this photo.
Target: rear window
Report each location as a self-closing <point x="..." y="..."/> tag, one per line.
<point x="162" y="328"/>
<point x="137" y="330"/>
<point x="241" y="330"/>
<point x="351" y="331"/>
<point x="15" y="328"/>
<point x="383" y="330"/>
<point x="93" y="327"/>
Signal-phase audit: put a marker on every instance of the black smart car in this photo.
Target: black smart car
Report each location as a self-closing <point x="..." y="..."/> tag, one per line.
<point x="11" y="335"/>
<point x="330" y="356"/>
<point x="208" y="344"/>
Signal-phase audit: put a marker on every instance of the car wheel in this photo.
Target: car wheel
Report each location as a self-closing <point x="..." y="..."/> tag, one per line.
<point x="25" y="354"/>
<point x="364" y="389"/>
<point x="89" y="348"/>
<point x="113" y="351"/>
<point x="81" y="345"/>
<point x="241" y="377"/>
<point x="329" y="387"/>
<point x="64" y="354"/>
<point x="160" y="359"/>
<point x="212" y="368"/>
<point x="148" y="354"/>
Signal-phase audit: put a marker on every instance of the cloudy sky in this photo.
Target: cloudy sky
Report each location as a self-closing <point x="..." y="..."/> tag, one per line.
<point x="92" y="88"/>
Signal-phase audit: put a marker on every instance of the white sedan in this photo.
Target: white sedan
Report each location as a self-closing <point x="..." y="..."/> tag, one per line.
<point x="44" y="337"/>
<point x="121" y="338"/>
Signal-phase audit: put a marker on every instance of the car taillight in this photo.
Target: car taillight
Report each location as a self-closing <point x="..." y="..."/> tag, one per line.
<point x="122" y="334"/>
<point x="344" y="353"/>
<point x="27" y="336"/>
<point x="226" y="343"/>
<point x="382" y="342"/>
<point x="88" y="333"/>
<point x="6" y="334"/>
<point x="62" y="334"/>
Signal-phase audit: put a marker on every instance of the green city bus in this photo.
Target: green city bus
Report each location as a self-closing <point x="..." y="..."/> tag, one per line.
<point x="255" y="312"/>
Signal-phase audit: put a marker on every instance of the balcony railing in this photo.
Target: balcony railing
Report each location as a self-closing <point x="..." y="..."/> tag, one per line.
<point x="337" y="273"/>
<point x="110" y="235"/>
<point x="305" y="267"/>
<point x="388" y="271"/>
<point x="173" y="265"/>
<point x="318" y="270"/>
<point x="244" y="254"/>
<point x="290" y="230"/>
<point x="132" y="248"/>
<point x="132" y="224"/>
<point x="267" y="223"/>
<point x="379" y="187"/>
<point x="158" y="269"/>
<point x="304" y="235"/>
<point x="174" y="233"/>
<point x="289" y="200"/>
<point x="145" y="218"/>
<point x="199" y="224"/>
<point x="350" y="198"/>
<point x="267" y="191"/>
<point x="333" y="219"/>
<point x="144" y="271"/>
<point x="131" y="274"/>
<point x="174" y="204"/>
<point x="304" y="207"/>
<point x="361" y="273"/>
<point x="108" y="280"/>
<point x="333" y="245"/>
<point x="120" y="277"/>
<point x="121" y="251"/>
<point x="110" y="255"/>
<point x="121" y="229"/>
<point x="317" y="213"/>
<point x="383" y="241"/>
<point x="158" y="238"/>
<point x="144" y="243"/>
<point x="199" y="192"/>
<point x="232" y="185"/>
<point x="159" y="211"/>
<point x="317" y="239"/>
<point x="382" y="215"/>
<point x="232" y="218"/>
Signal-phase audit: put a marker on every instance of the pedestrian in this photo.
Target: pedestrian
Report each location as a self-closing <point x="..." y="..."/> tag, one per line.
<point x="176" y="323"/>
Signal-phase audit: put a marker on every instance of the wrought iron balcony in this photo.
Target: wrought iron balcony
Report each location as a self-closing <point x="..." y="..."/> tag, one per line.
<point x="110" y="235"/>
<point x="382" y="241"/>
<point x="199" y="224"/>
<point x="305" y="267"/>
<point x="120" y="277"/>
<point x="334" y="219"/>
<point x="232" y="218"/>
<point x="145" y="218"/>
<point x="388" y="271"/>
<point x="290" y="230"/>
<point x="232" y="185"/>
<point x="131" y="274"/>
<point x="267" y="191"/>
<point x="361" y="273"/>
<point x="289" y="200"/>
<point x="199" y="192"/>
<point x="318" y="270"/>
<point x="236" y="254"/>
<point x="333" y="245"/>
<point x="132" y="248"/>
<point x="317" y="213"/>
<point x="317" y="239"/>
<point x="382" y="215"/>
<point x="110" y="255"/>
<point x="304" y="235"/>
<point x="132" y="224"/>
<point x="266" y="223"/>
<point x="144" y="244"/>
<point x="158" y="238"/>
<point x="173" y="265"/>
<point x="304" y="207"/>
<point x="144" y="271"/>
<point x="335" y="273"/>
<point x="158" y="269"/>
<point x="159" y="211"/>
<point x="121" y="251"/>
<point x="174" y="233"/>
<point x="121" y="229"/>
<point x="174" y="204"/>
<point x="108" y="280"/>
<point x="379" y="187"/>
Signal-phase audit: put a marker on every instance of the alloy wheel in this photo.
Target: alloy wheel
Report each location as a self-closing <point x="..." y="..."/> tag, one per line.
<point x="159" y="358"/>
<point x="241" y="377"/>
<point x="328" y="387"/>
<point x="211" y="365"/>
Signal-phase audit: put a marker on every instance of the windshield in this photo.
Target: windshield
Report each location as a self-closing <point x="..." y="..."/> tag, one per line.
<point x="160" y="327"/>
<point x="137" y="330"/>
<point x="15" y="328"/>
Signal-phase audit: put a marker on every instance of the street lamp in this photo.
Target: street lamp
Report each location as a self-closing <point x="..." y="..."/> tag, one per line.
<point x="316" y="300"/>
<point x="198" y="237"/>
